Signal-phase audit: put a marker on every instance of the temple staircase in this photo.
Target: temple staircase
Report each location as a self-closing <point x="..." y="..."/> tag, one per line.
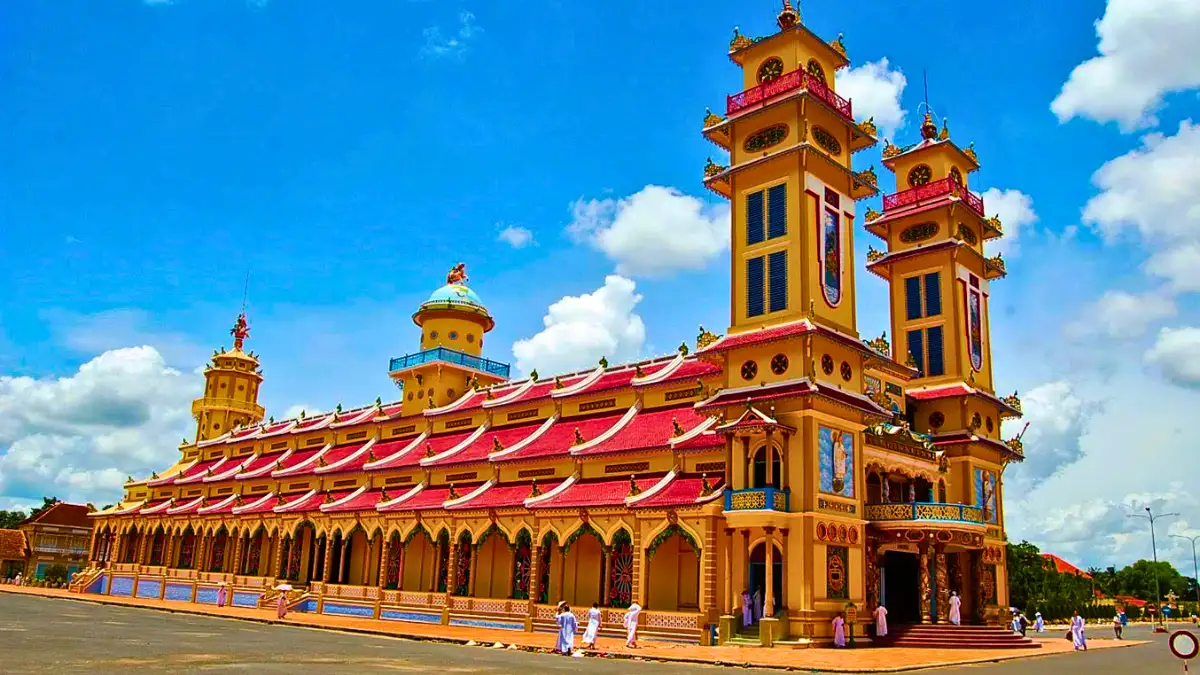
<point x="949" y="636"/>
<point x="82" y="580"/>
<point x="296" y="598"/>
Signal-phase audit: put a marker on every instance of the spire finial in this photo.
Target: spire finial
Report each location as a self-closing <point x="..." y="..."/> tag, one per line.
<point x="240" y="331"/>
<point x="788" y="16"/>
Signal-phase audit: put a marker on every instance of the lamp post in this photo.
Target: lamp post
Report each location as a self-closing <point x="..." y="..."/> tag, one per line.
<point x="1154" y="549"/>
<point x="1195" y="568"/>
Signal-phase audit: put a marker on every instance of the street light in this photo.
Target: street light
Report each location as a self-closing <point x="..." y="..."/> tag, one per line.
<point x="1195" y="568"/>
<point x="1154" y="548"/>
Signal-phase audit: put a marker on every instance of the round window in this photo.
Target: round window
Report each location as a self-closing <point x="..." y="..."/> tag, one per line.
<point x="453" y="335"/>
<point x="920" y="175"/>
<point x="990" y="424"/>
<point x="749" y="370"/>
<point x="827" y="364"/>
<point x="779" y="364"/>
<point x="450" y="394"/>
<point x="936" y="420"/>
<point x="433" y="335"/>
<point x="847" y="372"/>
<point x="470" y="337"/>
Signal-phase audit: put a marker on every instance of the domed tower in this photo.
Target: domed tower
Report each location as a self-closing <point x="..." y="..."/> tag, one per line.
<point x="231" y="384"/>
<point x="453" y="322"/>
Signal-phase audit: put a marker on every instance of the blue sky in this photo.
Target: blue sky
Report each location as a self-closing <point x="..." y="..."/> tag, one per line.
<point x="347" y="154"/>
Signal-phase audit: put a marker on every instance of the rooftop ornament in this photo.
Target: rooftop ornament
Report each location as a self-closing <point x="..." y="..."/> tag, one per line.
<point x="1013" y="401"/>
<point x="711" y="168"/>
<point x="383" y="496"/>
<point x="739" y="41"/>
<point x="634" y="490"/>
<point x="604" y="362"/>
<point x="788" y="16"/>
<point x="497" y="446"/>
<point x="881" y="344"/>
<point x="929" y="130"/>
<point x="534" y="375"/>
<point x="839" y="46"/>
<point x="240" y="331"/>
<point x="944" y="134"/>
<point x="997" y="262"/>
<point x="994" y="223"/>
<point x="705" y="338"/>
<point x="874" y="254"/>
<point x="711" y="119"/>
<point x="867" y="176"/>
<point x="872" y="215"/>
<point x="453" y="492"/>
<point x="579" y="439"/>
<point x="868" y="127"/>
<point x="706" y="488"/>
<point x="890" y="150"/>
<point x="970" y="152"/>
<point x="534" y="490"/>
<point x="458" y="275"/>
<point x="676" y="428"/>
<point x="683" y="348"/>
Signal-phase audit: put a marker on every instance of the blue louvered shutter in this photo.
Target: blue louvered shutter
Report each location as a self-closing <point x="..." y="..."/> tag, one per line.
<point x="933" y="295"/>
<point x="754" y="287"/>
<point x="754" y="218"/>
<point x="937" y="359"/>
<point x="916" y="348"/>
<point x="777" y="211"/>
<point x="912" y="297"/>
<point x="777" y="277"/>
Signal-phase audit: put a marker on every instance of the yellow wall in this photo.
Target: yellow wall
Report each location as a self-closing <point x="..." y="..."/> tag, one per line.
<point x="674" y="574"/>
<point x="493" y="568"/>
<point x="419" y="558"/>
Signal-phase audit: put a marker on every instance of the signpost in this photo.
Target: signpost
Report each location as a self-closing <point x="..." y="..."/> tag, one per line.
<point x="1184" y="645"/>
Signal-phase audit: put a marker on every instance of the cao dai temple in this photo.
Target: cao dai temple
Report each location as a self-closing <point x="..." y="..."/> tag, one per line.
<point x="788" y="457"/>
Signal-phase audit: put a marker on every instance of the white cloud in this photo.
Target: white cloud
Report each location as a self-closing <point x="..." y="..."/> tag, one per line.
<point x="116" y="328"/>
<point x="580" y="329"/>
<point x="1176" y="353"/>
<point x="1122" y="315"/>
<point x="875" y="91"/>
<point x="1179" y="265"/>
<point x="1148" y="48"/>
<point x="1015" y="209"/>
<point x="438" y="44"/>
<point x="78" y="437"/>
<point x="1056" y="419"/>
<point x="654" y="232"/>
<point x="515" y="236"/>
<point x="294" y="411"/>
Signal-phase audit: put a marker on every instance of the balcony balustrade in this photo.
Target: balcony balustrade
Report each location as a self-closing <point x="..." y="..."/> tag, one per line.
<point x="924" y="511"/>
<point x="785" y="84"/>
<point x="445" y="355"/>
<point x="757" y="499"/>
<point x="933" y="190"/>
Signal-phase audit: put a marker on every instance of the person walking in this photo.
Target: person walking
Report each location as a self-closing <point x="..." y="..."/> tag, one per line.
<point x="1117" y="625"/>
<point x="593" y="626"/>
<point x="1078" y="636"/>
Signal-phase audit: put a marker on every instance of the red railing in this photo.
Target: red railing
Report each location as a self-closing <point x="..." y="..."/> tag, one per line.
<point x="797" y="79"/>
<point x="938" y="188"/>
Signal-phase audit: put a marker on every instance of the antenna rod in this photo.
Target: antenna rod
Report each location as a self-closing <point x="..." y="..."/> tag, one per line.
<point x="246" y="292"/>
<point x="925" y="79"/>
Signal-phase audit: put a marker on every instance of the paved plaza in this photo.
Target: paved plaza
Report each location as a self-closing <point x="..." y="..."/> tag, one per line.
<point x="49" y="636"/>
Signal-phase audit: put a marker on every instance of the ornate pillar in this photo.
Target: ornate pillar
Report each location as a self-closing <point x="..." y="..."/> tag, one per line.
<point x="437" y="565"/>
<point x="784" y="568"/>
<point x="977" y="573"/>
<point x="535" y="575"/>
<point x="236" y="568"/>
<point x="607" y="570"/>
<point x="328" y="562"/>
<point x="281" y="560"/>
<point x="784" y="482"/>
<point x="639" y="562"/>
<point x="562" y="575"/>
<point x="385" y="546"/>
<point x="942" y="579"/>
<point x="926" y="585"/>
<point x="769" y="452"/>
<point x="344" y="562"/>
<point x="769" y="591"/>
<point x="200" y="563"/>
<point x="870" y="556"/>
<point x="452" y="569"/>
<point x="727" y="607"/>
<point x="471" y="573"/>
<point x="729" y="461"/>
<point x="747" y="464"/>
<point x="708" y="569"/>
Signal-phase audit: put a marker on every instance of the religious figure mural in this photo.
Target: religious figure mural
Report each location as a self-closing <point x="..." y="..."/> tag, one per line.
<point x="837" y="461"/>
<point x="985" y="493"/>
<point x="831" y="277"/>
<point x="975" y="327"/>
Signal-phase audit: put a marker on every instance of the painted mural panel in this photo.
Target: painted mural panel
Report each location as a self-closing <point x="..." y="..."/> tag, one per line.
<point x="837" y="565"/>
<point x="985" y="494"/>
<point x="837" y="461"/>
<point x="975" y="327"/>
<point x="831" y="276"/>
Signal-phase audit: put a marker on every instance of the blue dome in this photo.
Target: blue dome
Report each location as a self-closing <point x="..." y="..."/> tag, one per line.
<point x="456" y="293"/>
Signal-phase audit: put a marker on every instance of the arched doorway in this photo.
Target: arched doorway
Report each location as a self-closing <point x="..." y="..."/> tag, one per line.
<point x="757" y="576"/>
<point x="391" y="572"/>
<point x="546" y="560"/>
<point x="187" y="549"/>
<point x="579" y="576"/>
<point x="493" y="566"/>
<point x="157" y="545"/>
<point x="673" y="572"/>
<point x="420" y="559"/>
<point x="522" y="565"/>
<point x="759" y="468"/>
<point x="216" y="556"/>
<point x="620" y="570"/>
<point x="462" y="565"/>
<point x="900" y="586"/>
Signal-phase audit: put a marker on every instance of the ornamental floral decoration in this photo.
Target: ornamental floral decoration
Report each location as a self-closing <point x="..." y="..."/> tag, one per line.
<point x="620" y="571"/>
<point x="586" y="528"/>
<point x="770" y="69"/>
<point x="826" y="140"/>
<point x="970" y="152"/>
<point x="711" y="168"/>
<point x="492" y="529"/>
<point x="739" y="41"/>
<point x="836" y="564"/>
<point x="995" y="224"/>
<point x="705" y="338"/>
<point x="522" y="565"/>
<point x="873" y="215"/>
<point x="997" y="262"/>
<point x="1013" y="401"/>
<point x="839" y="46"/>
<point x="868" y="127"/>
<point x="670" y="531"/>
<point x="881" y="344"/>
<point x="711" y="119"/>
<point x="867" y="176"/>
<point x="966" y="234"/>
<point x="919" y="232"/>
<point x="764" y="139"/>
<point x="890" y="150"/>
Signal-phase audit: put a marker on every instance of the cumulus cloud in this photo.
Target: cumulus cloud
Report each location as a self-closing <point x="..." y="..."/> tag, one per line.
<point x="78" y="437"/>
<point x="515" y="236"/>
<point x="579" y="329"/>
<point x="1056" y="419"/>
<point x="1179" y="265"/>
<point x="1015" y="209"/>
<point x="294" y="411"/>
<point x="1122" y="315"/>
<point x="1148" y="48"/>
<point x="440" y="45"/>
<point x="655" y="232"/>
<point x="875" y="90"/>
<point x="1176" y="354"/>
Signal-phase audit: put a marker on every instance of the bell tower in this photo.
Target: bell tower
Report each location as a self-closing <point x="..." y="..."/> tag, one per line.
<point x="790" y="138"/>
<point x="231" y="384"/>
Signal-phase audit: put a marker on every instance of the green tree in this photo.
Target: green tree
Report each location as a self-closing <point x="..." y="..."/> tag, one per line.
<point x="47" y="502"/>
<point x="1029" y="575"/>
<point x="10" y="519"/>
<point x="56" y="574"/>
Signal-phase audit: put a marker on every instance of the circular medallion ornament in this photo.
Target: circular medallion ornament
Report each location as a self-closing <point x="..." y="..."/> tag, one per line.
<point x="470" y="337"/>
<point x="814" y="68"/>
<point x="989" y="424"/>
<point x="956" y="175"/>
<point x="453" y="335"/>
<point x="841" y="533"/>
<point x="749" y="370"/>
<point x="770" y="69"/>
<point x="847" y="371"/>
<point x="920" y="175"/>
<point x="822" y="531"/>
<point x="433" y="335"/>
<point x="919" y="232"/>
<point x="765" y="138"/>
<point x="779" y="364"/>
<point x="852" y="535"/>
<point x="827" y="364"/>
<point x="936" y="420"/>
<point x="1184" y="645"/>
<point x="976" y="420"/>
<point x="827" y="141"/>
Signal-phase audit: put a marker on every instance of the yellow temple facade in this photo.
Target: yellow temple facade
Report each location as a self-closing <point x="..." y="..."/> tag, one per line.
<point x="751" y="487"/>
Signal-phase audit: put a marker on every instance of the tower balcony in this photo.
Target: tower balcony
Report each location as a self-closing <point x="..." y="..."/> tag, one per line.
<point x="908" y="514"/>
<point x="933" y="191"/>
<point x="444" y="355"/>
<point x="797" y="80"/>
<point x="757" y="499"/>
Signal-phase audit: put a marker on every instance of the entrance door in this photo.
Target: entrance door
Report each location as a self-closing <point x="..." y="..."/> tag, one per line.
<point x="758" y="574"/>
<point x="901" y="587"/>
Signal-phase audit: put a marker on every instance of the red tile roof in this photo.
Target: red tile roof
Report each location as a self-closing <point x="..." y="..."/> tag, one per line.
<point x="186" y="507"/>
<point x="690" y="370"/>
<point x="679" y="492"/>
<point x="330" y="459"/>
<point x="301" y="462"/>
<point x="558" y="440"/>
<point x="957" y="389"/>
<point x="359" y="500"/>
<point x="758" y="394"/>
<point x="12" y="545"/>
<point x="229" y="470"/>
<point x="62" y="513"/>
<point x="264" y="464"/>
<point x="263" y="504"/>
<point x="170" y="478"/>
<point x="200" y="470"/>
<point x="593" y="493"/>
<point x="537" y="392"/>
<point x="485" y="444"/>
<point x="218" y="506"/>
<point x="502" y="496"/>
<point x="312" y="501"/>
<point x="760" y="336"/>
<point x="155" y="506"/>
<point x="425" y="499"/>
<point x="400" y="452"/>
<point x="1064" y="567"/>
<point x="645" y="431"/>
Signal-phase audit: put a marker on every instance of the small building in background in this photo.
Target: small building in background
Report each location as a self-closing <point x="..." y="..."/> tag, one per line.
<point x="13" y="553"/>
<point x="60" y="535"/>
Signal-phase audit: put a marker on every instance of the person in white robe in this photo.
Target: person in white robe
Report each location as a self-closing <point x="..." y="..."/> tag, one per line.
<point x="567" y="625"/>
<point x="955" y="608"/>
<point x="758" y="603"/>
<point x="631" y="622"/>
<point x="839" y="631"/>
<point x="881" y="621"/>
<point x="747" y="611"/>
<point x="1077" y="632"/>
<point x="593" y="626"/>
<point x="1016" y="623"/>
<point x="1039" y="624"/>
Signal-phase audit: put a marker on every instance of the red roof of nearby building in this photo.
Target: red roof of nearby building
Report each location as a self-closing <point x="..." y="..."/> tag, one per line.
<point x="62" y="513"/>
<point x="594" y="493"/>
<point x="681" y="491"/>
<point x="1064" y="567"/>
<point x="760" y="336"/>
<point x="502" y="496"/>
<point x="355" y="501"/>
<point x="425" y="499"/>
<point x="647" y="430"/>
<point x="12" y="545"/>
<point x="478" y="450"/>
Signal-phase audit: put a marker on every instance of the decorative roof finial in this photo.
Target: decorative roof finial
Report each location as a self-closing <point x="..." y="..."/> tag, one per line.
<point x="945" y="133"/>
<point x="453" y="493"/>
<point x="534" y="375"/>
<point x="788" y="16"/>
<point x="706" y="489"/>
<point x="457" y="275"/>
<point x="240" y="331"/>
<point x="534" y="490"/>
<point x="634" y="490"/>
<point x="970" y="152"/>
<point x="838" y="45"/>
<point x="604" y="362"/>
<point x="704" y="339"/>
<point x="579" y="439"/>
<point x="929" y="130"/>
<point x="683" y="348"/>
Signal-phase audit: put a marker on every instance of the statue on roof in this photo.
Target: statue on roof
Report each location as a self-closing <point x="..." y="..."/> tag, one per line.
<point x="457" y="275"/>
<point x="240" y="331"/>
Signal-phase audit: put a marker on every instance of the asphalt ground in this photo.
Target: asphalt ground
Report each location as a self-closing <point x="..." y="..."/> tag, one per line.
<point x="51" y="637"/>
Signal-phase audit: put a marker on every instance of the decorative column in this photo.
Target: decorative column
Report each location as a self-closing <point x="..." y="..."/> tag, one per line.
<point x="535" y="582"/>
<point x="437" y="565"/>
<point x="385" y="548"/>
<point x="344" y="562"/>
<point x="769" y="451"/>
<point x="200" y="563"/>
<point x="870" y="556"/>
<point x="784" y="567"/>
<point x="747" y="464"/>
<point x="471" y="573"/>
<point x="728" y="461"/>
<point x="328" y="562"/>
<point x="769" y="591"/>
<point x="639" y="565"/>
<point x="708" y="570"/>
<point x="942" y="579"/>
<point x="977" y="573"/>
<point x="452" y="569"/>
<point x="729" y="604"/>
<point x="926" y="585"/>
<point x="605" y="586"/>
<point x="280" y="565"/>
<point x="785" y="482"/>
<point x="236" y="568"/>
